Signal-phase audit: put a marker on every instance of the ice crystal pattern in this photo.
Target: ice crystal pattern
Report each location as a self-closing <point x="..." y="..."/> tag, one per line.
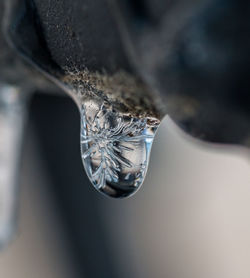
<point x="115" y="150"/>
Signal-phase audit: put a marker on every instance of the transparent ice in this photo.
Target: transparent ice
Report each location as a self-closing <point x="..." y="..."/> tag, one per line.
<point x="115" y="149"/>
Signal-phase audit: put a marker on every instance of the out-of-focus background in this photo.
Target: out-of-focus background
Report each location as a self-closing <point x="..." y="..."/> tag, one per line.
<point x="191" y="218"/>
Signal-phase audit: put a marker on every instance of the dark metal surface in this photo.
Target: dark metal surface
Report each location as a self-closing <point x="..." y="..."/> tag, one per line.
<point x="194" y="53"/>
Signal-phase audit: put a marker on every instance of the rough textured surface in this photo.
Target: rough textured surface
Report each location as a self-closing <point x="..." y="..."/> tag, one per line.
<point x="82" y="34"/>
<point x="194" y="53"/>
<point x="124" y="92"/>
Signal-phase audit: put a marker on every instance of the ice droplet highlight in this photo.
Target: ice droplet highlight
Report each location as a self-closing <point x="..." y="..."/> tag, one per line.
<point x="115" y="148"/>
<point x="119" y="118"/>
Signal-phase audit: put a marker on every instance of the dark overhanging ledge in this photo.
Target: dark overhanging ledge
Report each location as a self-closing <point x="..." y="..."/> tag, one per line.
<point x="200" y="72"/>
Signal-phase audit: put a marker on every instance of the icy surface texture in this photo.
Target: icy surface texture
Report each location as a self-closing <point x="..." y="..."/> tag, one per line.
<point x="115" y="148"/>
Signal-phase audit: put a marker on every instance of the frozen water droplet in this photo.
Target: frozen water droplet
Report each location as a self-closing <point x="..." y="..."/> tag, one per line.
<point x="119" y="118"/>
<point x="115" y="148"/>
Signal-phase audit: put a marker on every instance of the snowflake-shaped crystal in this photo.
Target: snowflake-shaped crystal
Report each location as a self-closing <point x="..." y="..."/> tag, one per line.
<point x="111" y="145"/>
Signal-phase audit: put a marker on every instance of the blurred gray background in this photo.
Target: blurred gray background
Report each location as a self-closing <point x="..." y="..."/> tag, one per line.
<point x="190" y="219"/>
